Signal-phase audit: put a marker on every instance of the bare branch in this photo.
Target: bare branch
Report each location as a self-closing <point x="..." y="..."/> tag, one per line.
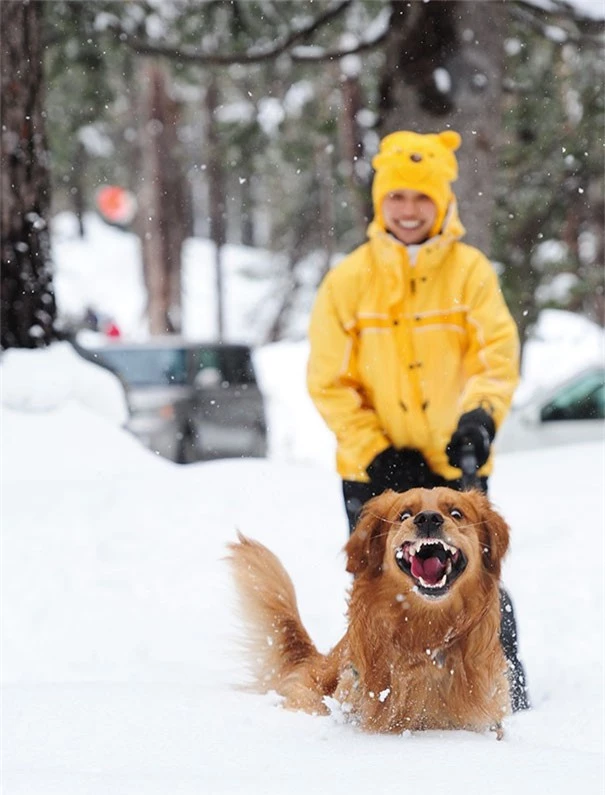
<point x="225" y="59"/>
<point x="559" y="8"/>
<point x="573" y="29"/>
<point x="314" y="55"/>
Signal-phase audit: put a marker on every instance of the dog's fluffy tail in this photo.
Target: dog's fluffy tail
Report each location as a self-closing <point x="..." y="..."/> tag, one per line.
<point x="281" y="654"/>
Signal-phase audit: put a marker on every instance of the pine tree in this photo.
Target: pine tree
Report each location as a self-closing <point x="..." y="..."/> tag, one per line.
<point x="27" y="301"/>
<point x="549" y="209"/>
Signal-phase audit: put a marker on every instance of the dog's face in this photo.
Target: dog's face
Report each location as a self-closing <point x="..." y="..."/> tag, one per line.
<point x="428" y="541"/>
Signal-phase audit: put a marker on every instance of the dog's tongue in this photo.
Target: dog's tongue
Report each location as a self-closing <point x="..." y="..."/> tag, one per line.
<point x="431" y="570"/>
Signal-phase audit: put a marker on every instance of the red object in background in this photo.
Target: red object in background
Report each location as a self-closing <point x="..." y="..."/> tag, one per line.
<point x="112" y="330"/>
<point x="116" y="205"/>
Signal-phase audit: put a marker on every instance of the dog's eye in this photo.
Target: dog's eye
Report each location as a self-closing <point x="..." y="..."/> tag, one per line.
<point x="405" y="515"/>
<point x="455" y="513"/>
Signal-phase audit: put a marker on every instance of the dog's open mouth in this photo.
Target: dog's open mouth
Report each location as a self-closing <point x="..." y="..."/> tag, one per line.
<point x="432" y="564"/>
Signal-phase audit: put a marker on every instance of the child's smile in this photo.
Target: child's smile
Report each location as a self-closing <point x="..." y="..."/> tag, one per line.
<point x="409" y="215"/>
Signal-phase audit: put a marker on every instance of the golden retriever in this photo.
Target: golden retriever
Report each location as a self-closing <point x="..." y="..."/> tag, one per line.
<point x="422" y="648"/>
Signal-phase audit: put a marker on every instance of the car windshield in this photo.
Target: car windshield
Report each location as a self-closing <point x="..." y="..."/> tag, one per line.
<point x="147" y="366"/>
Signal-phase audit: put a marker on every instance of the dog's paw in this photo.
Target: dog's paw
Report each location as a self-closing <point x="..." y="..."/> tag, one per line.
<point x="499" y="731"/>
<point x="340" y="712"/>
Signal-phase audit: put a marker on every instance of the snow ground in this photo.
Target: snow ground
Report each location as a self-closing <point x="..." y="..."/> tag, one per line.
<point x="120" y="662"/>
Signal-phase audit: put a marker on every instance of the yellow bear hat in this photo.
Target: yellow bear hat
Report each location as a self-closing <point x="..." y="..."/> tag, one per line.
<point x="425" y="163"/>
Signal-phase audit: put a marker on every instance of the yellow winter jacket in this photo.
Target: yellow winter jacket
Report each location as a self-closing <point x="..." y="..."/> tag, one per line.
<point x="405" y="339"/>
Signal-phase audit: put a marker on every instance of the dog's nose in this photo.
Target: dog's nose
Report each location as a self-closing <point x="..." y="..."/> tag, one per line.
<point x="428" y="522"/>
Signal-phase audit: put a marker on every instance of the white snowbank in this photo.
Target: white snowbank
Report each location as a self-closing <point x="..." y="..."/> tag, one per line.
<point x="41" y="380"/>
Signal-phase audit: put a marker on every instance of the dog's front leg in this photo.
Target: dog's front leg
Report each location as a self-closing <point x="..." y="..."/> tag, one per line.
<point x="497" y="727"/>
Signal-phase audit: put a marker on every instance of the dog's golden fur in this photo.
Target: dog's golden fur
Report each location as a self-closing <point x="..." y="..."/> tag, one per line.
<point x="409" y="659"/>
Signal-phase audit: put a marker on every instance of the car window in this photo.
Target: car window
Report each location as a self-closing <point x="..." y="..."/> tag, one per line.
<point x="233" y="364"/>
<point x="147" y="366"/>
<point x="584" y="399"/>
<point x="238" y="366"/>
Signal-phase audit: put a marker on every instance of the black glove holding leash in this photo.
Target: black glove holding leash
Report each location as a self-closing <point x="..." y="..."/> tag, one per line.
<point x="398" y="469"/>
<point x="475" y="428"/>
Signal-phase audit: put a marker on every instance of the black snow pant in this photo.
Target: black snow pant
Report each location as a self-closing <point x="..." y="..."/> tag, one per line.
<point x="357" y="494"/>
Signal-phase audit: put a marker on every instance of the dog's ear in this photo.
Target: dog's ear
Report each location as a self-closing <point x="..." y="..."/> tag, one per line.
<point x="494" y="538"/>
<point x="365" y="549"/>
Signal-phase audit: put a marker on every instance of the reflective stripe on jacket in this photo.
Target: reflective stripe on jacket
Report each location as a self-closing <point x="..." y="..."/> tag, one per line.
<point x="401" y="348"/>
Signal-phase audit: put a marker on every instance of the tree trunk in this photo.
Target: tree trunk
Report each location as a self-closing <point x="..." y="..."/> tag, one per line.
<point x="165" y="211"/>
<point x="217" y="200"/>
<point x="352" y="146"/>
<point x="443" y="68"/>
<point x="246" y="191"/>
<point x="77" y="190"/>
<point x="325" y="182"/>
<point x="27" y="300"/>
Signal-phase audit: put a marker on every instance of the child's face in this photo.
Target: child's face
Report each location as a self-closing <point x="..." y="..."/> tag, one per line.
<point x="409" y="215"/>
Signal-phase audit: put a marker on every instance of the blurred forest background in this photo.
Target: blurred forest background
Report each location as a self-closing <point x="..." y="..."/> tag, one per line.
<point x="254" y="122"/>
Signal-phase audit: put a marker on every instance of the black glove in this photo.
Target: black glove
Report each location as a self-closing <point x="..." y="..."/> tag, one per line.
<point x="398" y="469"/>
<point x="476" y="428"/>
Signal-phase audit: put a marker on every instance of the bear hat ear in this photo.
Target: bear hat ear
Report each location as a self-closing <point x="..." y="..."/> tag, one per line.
<point x="450" y="139"/>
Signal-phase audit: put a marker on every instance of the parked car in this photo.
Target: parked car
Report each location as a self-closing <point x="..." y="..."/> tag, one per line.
<point x="189" y="401"/>
<point x="571" y="411"/>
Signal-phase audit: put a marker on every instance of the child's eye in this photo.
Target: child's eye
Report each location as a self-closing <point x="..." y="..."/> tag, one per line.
<point x="405" y="515"/>
<point x="455" y="513"/>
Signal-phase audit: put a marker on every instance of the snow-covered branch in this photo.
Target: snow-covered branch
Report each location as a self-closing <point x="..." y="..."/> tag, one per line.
<point x="194" y="55"/>
<point x="561" y="21"/>
<point x="317" y="54"/>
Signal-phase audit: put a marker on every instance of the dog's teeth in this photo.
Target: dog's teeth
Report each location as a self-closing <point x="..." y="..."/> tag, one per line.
<point x="422" y="542"/>
<point x="448" y="566"/>
<point x="439" y="584"/>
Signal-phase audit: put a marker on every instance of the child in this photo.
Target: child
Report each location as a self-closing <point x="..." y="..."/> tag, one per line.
<point x="414" y="354"/>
